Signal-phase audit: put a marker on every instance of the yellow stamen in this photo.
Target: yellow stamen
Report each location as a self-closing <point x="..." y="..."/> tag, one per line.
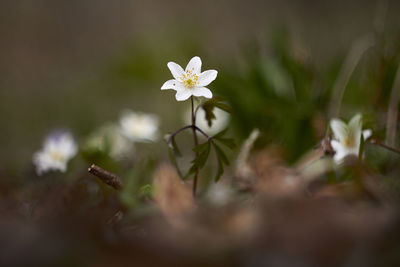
<point x="57" y="156"/>
<point x="349" y="141"/>
<point x="189" y="79"/>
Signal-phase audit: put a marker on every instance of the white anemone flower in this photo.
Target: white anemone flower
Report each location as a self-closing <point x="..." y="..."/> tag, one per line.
<point x="218" y="124"/>
<point x="347" y="137"/>
<point x="58" y="149"/>
<point x="191" y="81"/>
<point x="139" y="127"/>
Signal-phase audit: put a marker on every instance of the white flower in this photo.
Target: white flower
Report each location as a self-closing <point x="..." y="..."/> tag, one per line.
<point x="347" y="137"/>
<point x="190" y="81"/>
<point x="218" y="124"/>
<point x="139" y="127"/>
<point x="219" y="194"/>
<point x="58" y="149"/>
<point x="109" y="139"/>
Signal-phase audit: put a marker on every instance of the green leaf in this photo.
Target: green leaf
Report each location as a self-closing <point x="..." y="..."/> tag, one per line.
<point x="174" y="152"/>
<point x="220" y="134"/>
<point x="175" y="147"/>
<point x="201" y="147"/>
<point x="209" y="106"/>
<point x="220" y="170"/>
<point x="229" y="142"/>
<point x="223" y="106"/>
<point x="210" y="116"/>
<point x="203" y="151"/>
<point x="222" y="160"/>
<point x="202" y="156"/>
<point x="221" y="155"/>
<point x="172" y="155"/>
<point x="192" y="170"/>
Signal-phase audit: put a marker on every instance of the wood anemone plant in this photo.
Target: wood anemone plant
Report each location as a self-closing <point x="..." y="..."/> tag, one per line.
<point x="202" y="151"/>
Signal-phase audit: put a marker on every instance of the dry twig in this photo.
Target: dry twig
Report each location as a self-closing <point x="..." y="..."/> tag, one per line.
<point x="105" y="176"/>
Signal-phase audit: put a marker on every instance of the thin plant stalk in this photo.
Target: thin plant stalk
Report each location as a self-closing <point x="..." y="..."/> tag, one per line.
<point x="187" y="127"/>
<point x="391" y="122"/>
<point x="378" y="143"/>
<point x="382" y="7"/>
<point x="350" y="63"/>
<point x="196" y="143"/>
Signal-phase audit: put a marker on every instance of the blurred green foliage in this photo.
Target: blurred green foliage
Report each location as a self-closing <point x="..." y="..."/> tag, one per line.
<point x="281" y="91"/>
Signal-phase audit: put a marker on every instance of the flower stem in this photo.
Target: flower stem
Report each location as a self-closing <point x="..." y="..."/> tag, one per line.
<point x="178" y="131"/>
<point x="187" y="127"/>
<point x="196" y="143"/>
<point x="378" y="143"/>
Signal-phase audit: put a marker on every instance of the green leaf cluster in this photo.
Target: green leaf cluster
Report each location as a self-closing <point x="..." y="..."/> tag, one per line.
<point x="203" y="152"/>
<point x="209" y="106"/>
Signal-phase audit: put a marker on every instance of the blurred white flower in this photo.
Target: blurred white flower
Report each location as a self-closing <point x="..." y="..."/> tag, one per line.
<point x="109" y="139"/>
<point x="218" y="124"/>
<point x="347" y="137"/>
<point x="219" y="194"/>
<point x="58" y="149"/>
<point x="190" y="81"/>
<point x="139" y="127"/>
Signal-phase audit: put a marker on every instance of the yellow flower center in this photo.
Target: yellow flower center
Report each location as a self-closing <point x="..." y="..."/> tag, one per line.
<point x="349" y="141"/>
<point x="189" y="79"/>
<point x="57" y="156"/>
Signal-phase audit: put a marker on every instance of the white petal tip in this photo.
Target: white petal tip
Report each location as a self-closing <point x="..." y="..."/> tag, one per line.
<point x="367" y="134"/>
<point x="181" y="99"/>
<point x="171" y="84"/>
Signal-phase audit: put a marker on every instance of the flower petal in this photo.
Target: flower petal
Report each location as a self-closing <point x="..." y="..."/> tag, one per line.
<point x="340" y="151"/>
<point x="367" y="134"/>
<point x="206" y="77"/>
<point x="194" y="65"/>
<point x="170" y="84"/>
<point x="339" y="129"/>
<point x="183" y="95"/>
<point x="339" y="157"/>
<point x="354" y="128"/>
<point x="355" y="122"/>
<point x="336" y="145"/>
<point x="202" y="91"/>
<point x="175" y="69"/>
